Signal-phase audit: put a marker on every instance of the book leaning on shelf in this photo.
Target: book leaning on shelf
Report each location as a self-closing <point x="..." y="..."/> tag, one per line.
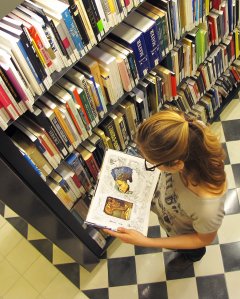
<point x="123" y="194"/>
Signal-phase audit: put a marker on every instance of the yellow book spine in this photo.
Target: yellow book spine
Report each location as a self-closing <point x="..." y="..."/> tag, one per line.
<point x="207" y="7"/>
<point x="39" y="53"/>
<point x="111" y="6"/>
<point x="64" y="126"/>
<point x="237" y="42"/>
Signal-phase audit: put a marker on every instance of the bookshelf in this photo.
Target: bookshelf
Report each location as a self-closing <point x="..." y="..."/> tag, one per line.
<point x="37" y="204"/>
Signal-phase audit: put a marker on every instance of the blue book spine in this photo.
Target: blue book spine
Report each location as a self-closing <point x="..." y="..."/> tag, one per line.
<point x="152" y="45"/>
<point x="230" y="15"/>
<point x="71" y="26"/>
<point x="200" y="9"/>
<point x="196" y="11"/>
<point x="141" y="57"/>
<point x="26" y="57"/>
<point x="99" y="107"/>
<point x="32" y="164"/>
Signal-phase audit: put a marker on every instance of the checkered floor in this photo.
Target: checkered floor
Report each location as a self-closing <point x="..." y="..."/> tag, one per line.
<point x="133" y="272"/>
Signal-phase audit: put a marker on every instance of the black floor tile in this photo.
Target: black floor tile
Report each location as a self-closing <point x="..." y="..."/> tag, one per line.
<point x="231" y="205"/>
<point x="227" y="160"/>
<point x="231" y="256"/>
<point x="231" y="129"/>
<point x="236" y="173"/>
<point x="152" y="291"/>
<point x="97" y="294"/>
<point x="20" y="225"/>
<point x="212" y="287"/>
<point x="2" y="208"/>
<point x="45" y="247"/>
<point x="71" y="271"/>
<point x="122" y="271"/>
<point x="177" y="267"/>
<point x="153" y="232"/>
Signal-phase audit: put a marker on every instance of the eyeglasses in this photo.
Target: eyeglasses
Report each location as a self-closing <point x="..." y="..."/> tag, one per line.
<point x="151" y="168"/>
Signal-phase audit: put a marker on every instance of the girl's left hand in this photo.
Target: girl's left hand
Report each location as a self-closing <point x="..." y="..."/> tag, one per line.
<point x="129" y="236"/>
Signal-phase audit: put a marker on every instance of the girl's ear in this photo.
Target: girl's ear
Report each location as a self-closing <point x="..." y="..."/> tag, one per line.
<point x="179" y="165"/>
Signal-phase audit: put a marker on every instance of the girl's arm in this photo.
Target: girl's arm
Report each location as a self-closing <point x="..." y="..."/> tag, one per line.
<point x="189" y="241"/>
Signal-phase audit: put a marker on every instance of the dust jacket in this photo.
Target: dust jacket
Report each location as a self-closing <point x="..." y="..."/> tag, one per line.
<point x="123" y="194"/>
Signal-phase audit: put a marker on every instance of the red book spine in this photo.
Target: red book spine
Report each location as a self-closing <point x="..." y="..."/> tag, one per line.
<point x="32" y="31"/>
<point x="74" y="119"/>
<point x="212" y="29"/>
<point x="235" y="73"/>
<point x="44" y="144"/>
<point x="174" y="85"/>
<point x="216" y="4"/>
<point x="93" y="167"/>
<point x="127" y="2"/>
<point x="7" y="104"/>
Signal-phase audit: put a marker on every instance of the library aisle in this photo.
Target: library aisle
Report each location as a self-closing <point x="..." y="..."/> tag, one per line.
<point x="38" y="269"/>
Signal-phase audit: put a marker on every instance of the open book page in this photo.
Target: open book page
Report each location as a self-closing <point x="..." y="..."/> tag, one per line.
<point x="124" y="193"/>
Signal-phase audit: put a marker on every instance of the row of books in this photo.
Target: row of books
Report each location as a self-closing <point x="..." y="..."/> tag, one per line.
<point x="200" y="95"/>
<point x="39" y="38"/>
<point x="120" y="61"/>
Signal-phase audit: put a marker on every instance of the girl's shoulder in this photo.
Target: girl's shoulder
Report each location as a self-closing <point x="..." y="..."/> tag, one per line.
<point x="209" y="191"/>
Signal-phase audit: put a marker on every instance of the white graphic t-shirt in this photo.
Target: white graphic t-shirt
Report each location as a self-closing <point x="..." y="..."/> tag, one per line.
<point x="180" y="211"/>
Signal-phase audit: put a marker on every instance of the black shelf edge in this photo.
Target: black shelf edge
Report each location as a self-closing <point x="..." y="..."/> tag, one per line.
<point x="225" y="102"/>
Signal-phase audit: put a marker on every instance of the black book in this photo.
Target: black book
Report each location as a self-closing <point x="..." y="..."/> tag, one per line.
<point x="20" y="33"/>
<point x="93" y="149"/>
<point x="93" y="16"/>
<point x="165" y="5"/>
<point x="96" y="141"/>
<point x="9" y="85"/>
<point x="79" y="22"/>
<point x="109" y="129"/>
<point x="132" y="98"/>
<point x="39" y="117"/>
<point x="41" y="13"/>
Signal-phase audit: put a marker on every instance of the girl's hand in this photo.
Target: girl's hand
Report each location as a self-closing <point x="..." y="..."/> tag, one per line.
<point x="129" y="236"/>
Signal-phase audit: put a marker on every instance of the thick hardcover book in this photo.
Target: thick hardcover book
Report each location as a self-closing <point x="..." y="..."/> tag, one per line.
<point x="124" y="193"/>
<point x="134" y="39"/>
<point x="150" y="32"/>
<point x="109" y="129"/>
<point x="39" y="117"/>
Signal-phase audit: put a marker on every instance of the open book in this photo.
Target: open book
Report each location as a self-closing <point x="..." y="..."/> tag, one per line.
<point x="123" y="194"/>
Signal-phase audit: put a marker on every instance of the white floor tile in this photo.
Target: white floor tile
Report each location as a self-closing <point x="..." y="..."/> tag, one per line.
<point x="60" y="288"/>
<point x="150" y="268"/>
<point x="2" y="221"/>
<point x="217" y="128"/>
<point x="80" y="295"/>
<point x="211" y="263"/>
<point x="120" y="249"/>
<point x="153" y="219"/>
<point x="233" y="151"/>
<point x="232" y="281"/>
<point x="96" y="279"/>
<point x="28" y="253"/>
<point x="60" y="257"/>
<point x="9" y="238"/>
<point x="8" y="276"/>
<point x="230" y="177"/>
<point x="9" y="213"/>
<point x="41" y="273"/>
<point x="130" y="291"/>
<point x="232" y="111"/>
<point x="229" y="231"/>
<point x="21" y="289"/>
<point x="182" y="289"/>
<point x="34" y="234"/>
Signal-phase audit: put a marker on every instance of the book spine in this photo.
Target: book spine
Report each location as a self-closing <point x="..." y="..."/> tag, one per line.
<point x="92" y="18"/>
<point x="73" y="30"/>
<point x="152" y="45"/>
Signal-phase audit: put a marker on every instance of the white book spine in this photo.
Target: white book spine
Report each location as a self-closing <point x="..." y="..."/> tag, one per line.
<point x="102" y="16"/>
<point x="3" y="124"/>
<point x="73" y="129"/>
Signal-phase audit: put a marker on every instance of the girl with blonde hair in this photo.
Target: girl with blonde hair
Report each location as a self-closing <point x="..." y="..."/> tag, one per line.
<point x="189" y="198"/>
